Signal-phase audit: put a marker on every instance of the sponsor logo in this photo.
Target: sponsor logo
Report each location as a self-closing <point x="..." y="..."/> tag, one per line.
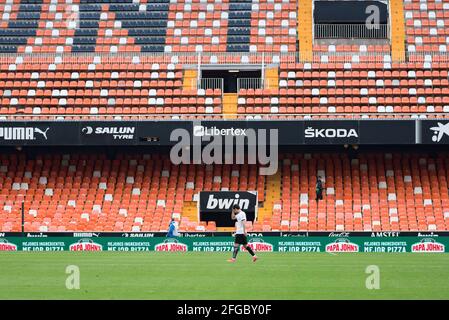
<point x="385" y="234"/>
<point x="85" y="245"/>
<point x="212" y="145"/>
<point x="252" y="234"/>
<point x="440" y="131"/>
<point x="428" y="245"/>
<point x="338" y="235"/>
<point x="85" y="234"/>
<point x="36" y="235"/>
<point x="22" y="133"/>
<point x="431" y="234"/>
<point x="295" y="234"/>
<point x="330" y="133"/>
<point x="138" y="235"/>
<point x="342" y="245"/>
<point x="171" y="245"/>
<point x="201" y="131"/>
<point x="118" y="133"/>
<point x="259" y="245"/>
<point x="194" y="235"/>
<point x="5" y="245"/>
<point x="226" y="204"/>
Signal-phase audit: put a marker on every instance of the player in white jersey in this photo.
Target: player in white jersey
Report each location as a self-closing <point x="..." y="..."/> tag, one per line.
<point x="240" y="233"/>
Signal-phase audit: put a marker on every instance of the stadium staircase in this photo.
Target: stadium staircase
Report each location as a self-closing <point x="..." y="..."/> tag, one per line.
<point x="230" y="105"/>
<point x="272" y="78"/>
<point x="190" y="77"/>
<point x="397" y="30"/>
<point x="273" y="195"/>
<point x="305" y="33"/>
<point x="189" y="216"/>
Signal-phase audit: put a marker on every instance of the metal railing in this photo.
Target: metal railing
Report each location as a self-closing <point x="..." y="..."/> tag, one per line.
<point x="250" y="83"/>
<point x="209" y="116"/>
<point x="192" y="58"/>
<point x="208" y="83"/>
<point x="351" y="31"/>
<point x="189" y="58"/>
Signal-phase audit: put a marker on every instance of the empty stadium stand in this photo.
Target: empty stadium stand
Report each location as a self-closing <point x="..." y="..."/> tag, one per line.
<point x="426" y="25"/>
<point x="363" y="88"/>
<point x="129" y="59"/>
<point x="148" y="26"/>
<point x="81" y="192"/>
<point x="371" y="192"/>
<point x="99" y="87"/>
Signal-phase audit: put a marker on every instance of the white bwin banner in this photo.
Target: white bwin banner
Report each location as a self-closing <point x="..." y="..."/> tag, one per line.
<point x="217" y="206"/>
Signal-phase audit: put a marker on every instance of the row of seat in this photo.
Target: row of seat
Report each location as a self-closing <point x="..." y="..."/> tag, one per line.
<point x="370" y="192"/>
<point x="162" y="26"/>
<point x="81" y="192"/>
<point x="426" y="25"/>
<point x="135" y="192"/>
<point x="303" y="87"/>
<point x="114" y="26"/>
<point x="317" y="88"/>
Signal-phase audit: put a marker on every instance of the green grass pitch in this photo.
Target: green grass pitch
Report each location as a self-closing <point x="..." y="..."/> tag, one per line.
<point x="202" y="275"/>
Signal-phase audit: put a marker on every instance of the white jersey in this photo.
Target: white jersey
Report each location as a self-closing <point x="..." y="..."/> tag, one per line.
<point x="239" y="224"/>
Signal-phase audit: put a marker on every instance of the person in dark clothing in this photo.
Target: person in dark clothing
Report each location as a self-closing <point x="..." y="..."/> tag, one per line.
<point x="319" y="189"/>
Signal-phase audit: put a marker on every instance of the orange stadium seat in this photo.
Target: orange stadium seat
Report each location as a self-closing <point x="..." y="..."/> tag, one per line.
<point x="127" y="60"/>
<point x="80" y="192"/>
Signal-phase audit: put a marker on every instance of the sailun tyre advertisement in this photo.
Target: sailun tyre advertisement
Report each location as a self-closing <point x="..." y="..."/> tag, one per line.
<point x="259" y="243"/>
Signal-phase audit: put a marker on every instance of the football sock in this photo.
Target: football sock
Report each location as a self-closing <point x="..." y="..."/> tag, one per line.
<point x="234" y="254"/>
<point x="251" y="252"/>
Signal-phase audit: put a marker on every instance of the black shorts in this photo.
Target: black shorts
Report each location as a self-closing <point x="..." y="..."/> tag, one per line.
<point x="241" y="239"/>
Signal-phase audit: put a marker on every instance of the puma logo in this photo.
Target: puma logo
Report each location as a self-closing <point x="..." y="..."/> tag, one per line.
<point x="43" y="133"/>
